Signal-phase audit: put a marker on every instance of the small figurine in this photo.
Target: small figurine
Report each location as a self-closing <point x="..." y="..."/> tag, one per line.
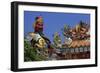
<point x="57" y="40"/>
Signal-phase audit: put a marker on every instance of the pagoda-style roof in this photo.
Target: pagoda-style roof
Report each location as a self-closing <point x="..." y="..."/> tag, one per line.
<point x="79" y="43"/>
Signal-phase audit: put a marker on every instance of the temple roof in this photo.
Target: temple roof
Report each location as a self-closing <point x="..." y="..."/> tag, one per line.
<point x="79" y="43"/>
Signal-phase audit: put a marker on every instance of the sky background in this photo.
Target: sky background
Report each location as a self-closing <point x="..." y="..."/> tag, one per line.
<point x="53" y="22"/>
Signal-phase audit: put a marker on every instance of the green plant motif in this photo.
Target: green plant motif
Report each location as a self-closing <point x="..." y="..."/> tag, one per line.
<point x="30" y="53"/>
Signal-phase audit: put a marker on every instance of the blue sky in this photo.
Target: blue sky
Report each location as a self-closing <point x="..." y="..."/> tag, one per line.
<point x="53" y="22"/>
